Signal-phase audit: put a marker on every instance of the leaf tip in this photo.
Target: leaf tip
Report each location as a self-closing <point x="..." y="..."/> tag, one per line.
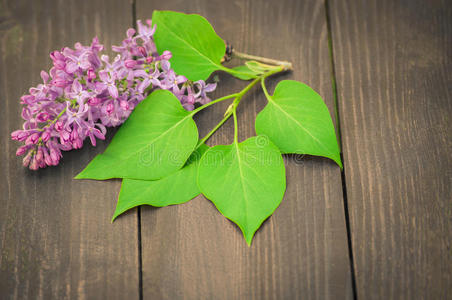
<point x="249" y="239"/>
<point x="79" y="176"/>
<point x="248" y="236"/>
<point x="114" y="218"/>
<point x="338" y="161"/>
<point x="84" y="175"/>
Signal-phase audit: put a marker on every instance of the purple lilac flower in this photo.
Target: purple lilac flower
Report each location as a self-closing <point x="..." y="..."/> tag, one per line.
<point x="203" y="89"/>
<point x="149" y="78"/>
<point x="84" y="93"/>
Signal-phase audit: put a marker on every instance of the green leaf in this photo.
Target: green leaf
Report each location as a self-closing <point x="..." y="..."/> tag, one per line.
<point x="259" y="67"/>
<point x="250" y="70"/>
<point x="243" y="72"/>
<point x="246" y="181"/>
<point x="197" y="50"/>
<point x="154" y="142"/>
<point x="297" y="120"/>
<point x="176" y="188"/>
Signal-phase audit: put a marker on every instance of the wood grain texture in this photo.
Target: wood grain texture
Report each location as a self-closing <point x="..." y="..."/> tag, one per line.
<point x="56" y="240"/>
<point x="394" y="76"/>
<point x="191" y="251"/>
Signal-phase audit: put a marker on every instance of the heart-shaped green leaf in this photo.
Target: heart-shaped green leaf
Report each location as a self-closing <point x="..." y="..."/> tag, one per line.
<point x="297" y="120"/>
<point x="246" y="181"/>
<point x="154" y="142"/>
<point x="197" y="50"/>
<point x="176" y="188"/>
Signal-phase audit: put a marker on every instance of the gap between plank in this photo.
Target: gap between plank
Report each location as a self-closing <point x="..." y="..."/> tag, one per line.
<point x="338" y="126"/>
<point x="133" y="4"/>
<point x="140" y="259"/>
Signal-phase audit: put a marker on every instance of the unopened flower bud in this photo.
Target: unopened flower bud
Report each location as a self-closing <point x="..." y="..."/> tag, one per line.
<point x="54" y="156"/>
<point x="124" y="105"/>
<point x="59" y="126"/>
<point x="93" y="101"/>
<point x="110" y="108"/>
<point x="77" y="143"/>
<point x="142" y="51"/>
<point x="39" y="154"/>
<point x="166" y="55"/>
<point x="45" y="136"/>
<point x="130" y="63"/>
<point x="32" y="139"/>
<point x="21" y="150"/>
<point x="59" y="82"/>
<point x="33" y="164"/>
<point x="42" y="116"/>
<point x="47" y="158"/>
<point x="27" y="159"/>
<point x="74" y="135"/>
<point x="90" y="74"/>
<point x="65" y="135"/>
<point x="15" y="134"/>
<point x="44" y="76"/>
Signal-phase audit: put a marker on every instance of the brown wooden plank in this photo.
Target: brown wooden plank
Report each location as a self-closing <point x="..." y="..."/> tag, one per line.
<point x="394" y="64"/>
<point x="56" y="240"/>
<point x="191" y="251"/>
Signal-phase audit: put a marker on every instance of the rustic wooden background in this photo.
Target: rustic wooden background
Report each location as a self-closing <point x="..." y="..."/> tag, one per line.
<point x="381" y="229"/>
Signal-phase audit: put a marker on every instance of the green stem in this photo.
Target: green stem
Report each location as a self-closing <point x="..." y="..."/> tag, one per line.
<point x="238" y="96"/>
<point x="247" y="88"/>
<point x="213" y="102"/>
<point x="236" y="128"/>
<point x="59" y="116"/>
<point x="287" y="65"/>
<point x="264" y="88"/>
<point x="54" y="120"/>
<point x="260" y="78"/>
<point x="207" y="136"/>
<point x="228" y="114"/>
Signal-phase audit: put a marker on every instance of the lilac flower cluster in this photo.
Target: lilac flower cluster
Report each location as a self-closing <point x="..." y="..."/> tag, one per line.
<point x="84" y="93"/>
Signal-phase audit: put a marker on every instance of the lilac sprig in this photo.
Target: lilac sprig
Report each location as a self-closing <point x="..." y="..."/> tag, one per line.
<point x="85" y="92"/>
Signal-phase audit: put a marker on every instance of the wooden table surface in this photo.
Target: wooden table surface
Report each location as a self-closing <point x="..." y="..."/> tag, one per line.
<point x="381" y="229"/>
